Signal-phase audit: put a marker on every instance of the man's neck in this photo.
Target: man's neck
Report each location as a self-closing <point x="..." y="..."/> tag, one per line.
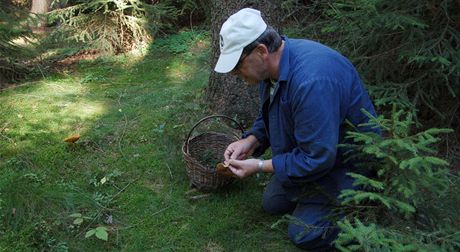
<point x="275" y="59"/>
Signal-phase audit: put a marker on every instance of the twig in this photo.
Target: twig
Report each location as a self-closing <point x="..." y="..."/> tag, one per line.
<point x="170" y="173"/>
<point x="161" y="210"/>
<point x="122" y="189"/>
<point x="191" y="191"/>
<point x="191" y="19"/>
<point x="123" y="132"/>
<point x="128" y="227"/>
<point x="121" y="138"/>
<point x="40" y="69"/>
<point x="201" y="196"/>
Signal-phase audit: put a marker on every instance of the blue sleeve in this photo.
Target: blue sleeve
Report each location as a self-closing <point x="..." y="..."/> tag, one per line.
<point x="258" y="130"/>
<point x="315" y="108"/>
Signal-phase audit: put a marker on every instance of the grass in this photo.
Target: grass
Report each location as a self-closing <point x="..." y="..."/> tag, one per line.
<point x="126" y="173"/>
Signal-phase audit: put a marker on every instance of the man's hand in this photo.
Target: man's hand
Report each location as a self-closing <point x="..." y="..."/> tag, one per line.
<point x="241" y="149"/>
<point x="243" y="168"/>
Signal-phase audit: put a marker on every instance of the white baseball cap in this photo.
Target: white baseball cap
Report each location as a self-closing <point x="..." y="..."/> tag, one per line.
<point x="240" y="30"/>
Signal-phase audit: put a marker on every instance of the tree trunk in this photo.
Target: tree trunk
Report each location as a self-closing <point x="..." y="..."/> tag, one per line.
<point x="38" y="9"/>
<point x="226" y="94"/>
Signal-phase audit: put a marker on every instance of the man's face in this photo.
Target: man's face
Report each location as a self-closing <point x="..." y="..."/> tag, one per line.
<point x="250" y="67"/>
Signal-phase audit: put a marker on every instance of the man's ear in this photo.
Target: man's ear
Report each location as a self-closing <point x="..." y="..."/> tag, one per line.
<point x="262" y="49"/>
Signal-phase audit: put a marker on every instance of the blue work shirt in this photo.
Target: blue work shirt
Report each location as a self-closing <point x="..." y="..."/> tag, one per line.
<point x="317" y="90"/>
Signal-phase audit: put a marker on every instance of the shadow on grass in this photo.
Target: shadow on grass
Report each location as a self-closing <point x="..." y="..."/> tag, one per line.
<point x="126" y="172"/>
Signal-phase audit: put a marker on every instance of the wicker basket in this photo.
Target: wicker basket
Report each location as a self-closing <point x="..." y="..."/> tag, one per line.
<point x="202" y="175"/>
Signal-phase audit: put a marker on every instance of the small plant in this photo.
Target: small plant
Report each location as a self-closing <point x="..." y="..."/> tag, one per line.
<point x="100" y="233"/>
<point x="109" y="178"/>
<point x="405" y="172"/>
<point x="104" y="201"/>
<point x="79" y="218"/>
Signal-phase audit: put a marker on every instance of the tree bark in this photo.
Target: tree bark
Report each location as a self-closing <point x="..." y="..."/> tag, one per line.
<point x="38" y="9"/>
<point x="226" y="94"/>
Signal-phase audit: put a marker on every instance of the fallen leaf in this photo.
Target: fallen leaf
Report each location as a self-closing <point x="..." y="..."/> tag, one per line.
<point x="78" y="221"/>
<point x="75" y="215"/>
<point x="201" y="196"/>
<point x="72" y="139"/>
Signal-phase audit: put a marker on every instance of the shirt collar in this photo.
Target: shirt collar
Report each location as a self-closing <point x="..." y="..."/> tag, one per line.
<point x="283" y="72"/>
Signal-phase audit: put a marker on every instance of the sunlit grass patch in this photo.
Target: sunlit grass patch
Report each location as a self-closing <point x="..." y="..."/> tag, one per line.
<point x="47" y="111"/>
<point x="177" y="72"/>
<point x="126" y="172"/>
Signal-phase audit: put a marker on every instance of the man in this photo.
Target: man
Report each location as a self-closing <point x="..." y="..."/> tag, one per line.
<point x="307" y="92"/>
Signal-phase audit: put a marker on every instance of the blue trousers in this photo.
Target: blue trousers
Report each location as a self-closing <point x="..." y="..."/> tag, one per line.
<point x="310" y="230"/>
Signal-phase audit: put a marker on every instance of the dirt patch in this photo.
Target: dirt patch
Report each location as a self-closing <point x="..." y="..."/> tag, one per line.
<point x="68" y="62"/>
<point x="59" y="65"/>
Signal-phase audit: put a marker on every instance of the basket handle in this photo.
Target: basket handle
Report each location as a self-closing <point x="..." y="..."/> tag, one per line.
<point x="210" y="117"/>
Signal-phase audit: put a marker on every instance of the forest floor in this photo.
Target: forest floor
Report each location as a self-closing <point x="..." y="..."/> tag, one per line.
<point x="123" y="183"/>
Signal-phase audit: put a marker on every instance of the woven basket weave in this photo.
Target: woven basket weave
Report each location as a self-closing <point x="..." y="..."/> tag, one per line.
<point x="204" y="176"/>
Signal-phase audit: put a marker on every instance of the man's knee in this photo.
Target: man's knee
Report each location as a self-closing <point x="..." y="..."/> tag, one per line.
<point x="269" y="207"/>
<point x="313" y="238"/>
<point x="275" y="206"/>
<point x="274" y="199"/>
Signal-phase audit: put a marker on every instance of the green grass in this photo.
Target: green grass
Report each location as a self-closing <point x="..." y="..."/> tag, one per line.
<point x="133" y="113"/>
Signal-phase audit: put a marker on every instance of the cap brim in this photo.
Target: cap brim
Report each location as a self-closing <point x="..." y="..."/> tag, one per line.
<point x="227" y="62"/>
